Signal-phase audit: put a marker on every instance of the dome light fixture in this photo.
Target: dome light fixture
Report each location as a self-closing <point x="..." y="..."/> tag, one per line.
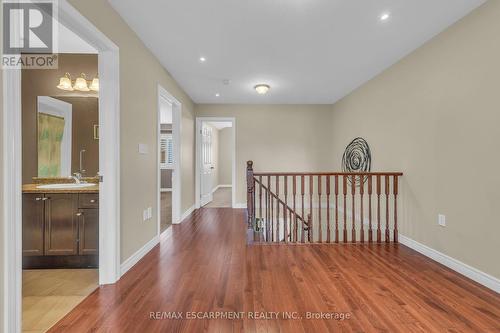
<point x="262" y="88"/>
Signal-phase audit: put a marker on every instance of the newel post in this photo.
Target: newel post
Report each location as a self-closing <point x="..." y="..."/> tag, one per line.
<point x="250" y="193"/>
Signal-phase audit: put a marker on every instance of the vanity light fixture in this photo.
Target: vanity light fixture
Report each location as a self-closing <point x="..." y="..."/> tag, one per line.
<point x="65" y="83"/>
<point x="95" y="84"/>
<point x="81" y="83"/>
<point x="262" y="88"/>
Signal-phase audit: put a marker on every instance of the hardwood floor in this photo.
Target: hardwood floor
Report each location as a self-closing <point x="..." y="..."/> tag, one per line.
<point x="49" y="294"/>
<point x="206" y="265"/>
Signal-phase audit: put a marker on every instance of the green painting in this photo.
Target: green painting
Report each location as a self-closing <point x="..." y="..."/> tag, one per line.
<point x="50" y="136"/>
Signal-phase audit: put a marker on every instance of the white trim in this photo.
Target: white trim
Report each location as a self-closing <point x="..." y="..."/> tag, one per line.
<point x="138" y="255"/>
<point x="240" y="205"/>
<point x="198" y="161"/>
<point x="176" y="170"/>
<point x="165" y="190"/>
<point x="109" y="161"/>
<point x="472" y="273"/>
<point x="58" y="108"/>
<point x="188" y="212"/>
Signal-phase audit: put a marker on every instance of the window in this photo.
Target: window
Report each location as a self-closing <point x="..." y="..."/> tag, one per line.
<point x="166" y="151"/>
<point x="207" y="145"/>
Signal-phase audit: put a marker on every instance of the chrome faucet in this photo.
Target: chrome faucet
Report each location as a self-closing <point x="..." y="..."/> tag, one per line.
<point x="82" y="171"/>
<point x="77" y="177"/>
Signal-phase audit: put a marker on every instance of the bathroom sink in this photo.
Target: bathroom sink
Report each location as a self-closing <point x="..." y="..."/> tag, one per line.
<point x="65" y="186"/>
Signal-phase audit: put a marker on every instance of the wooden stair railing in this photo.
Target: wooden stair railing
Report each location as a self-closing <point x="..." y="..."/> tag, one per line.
<point x="281" y="214"/>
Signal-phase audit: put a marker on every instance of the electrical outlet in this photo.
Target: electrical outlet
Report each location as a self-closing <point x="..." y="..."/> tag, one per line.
<point x="442" y="220"/>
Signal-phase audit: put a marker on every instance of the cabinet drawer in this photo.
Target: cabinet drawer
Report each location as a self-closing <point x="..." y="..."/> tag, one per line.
<point x="88" y="200"/>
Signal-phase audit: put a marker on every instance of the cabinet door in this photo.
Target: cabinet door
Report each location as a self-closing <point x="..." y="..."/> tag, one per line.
<point x="61" y="228"/>
<point x="33" y="231"/>
<point x="88" y="231"/>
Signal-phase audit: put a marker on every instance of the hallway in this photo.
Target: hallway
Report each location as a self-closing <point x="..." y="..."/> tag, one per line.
<point x="204" y="267"/>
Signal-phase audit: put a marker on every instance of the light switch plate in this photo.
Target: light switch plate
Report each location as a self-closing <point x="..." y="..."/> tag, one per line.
<point x="143" y="148"/>
<point x="442" y="220"/>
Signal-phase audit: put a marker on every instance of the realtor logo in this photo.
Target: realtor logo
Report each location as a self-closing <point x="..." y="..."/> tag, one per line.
<point x="28" y="34"/>
<point x="27" y="27"/>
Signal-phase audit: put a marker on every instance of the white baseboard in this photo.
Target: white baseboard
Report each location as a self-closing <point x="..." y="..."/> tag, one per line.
<point x="187" y="212"/>
<point x="134" y="259"/>
<point x="472" y="273"/>
<point x="165" y="190"/>
<point x="221" y="186"/>
<point x="240" y="205"/>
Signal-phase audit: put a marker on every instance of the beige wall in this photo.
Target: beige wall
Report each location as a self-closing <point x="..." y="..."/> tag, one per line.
<point x="139" y="75"/>
<point x="435" y="116"/>
<point x="225" y="156"/>
<point x="277" y="137"/>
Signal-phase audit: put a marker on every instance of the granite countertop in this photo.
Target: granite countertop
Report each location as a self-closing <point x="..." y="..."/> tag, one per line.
<point x="32" y="188"/>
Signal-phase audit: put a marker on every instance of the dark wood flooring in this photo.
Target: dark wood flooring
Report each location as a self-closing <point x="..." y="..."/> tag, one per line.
<point x="206" y="265"/>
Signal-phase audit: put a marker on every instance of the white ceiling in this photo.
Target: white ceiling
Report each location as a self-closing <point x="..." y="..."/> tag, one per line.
<point x="69" y="42"/>
<point x="309" y="51"/>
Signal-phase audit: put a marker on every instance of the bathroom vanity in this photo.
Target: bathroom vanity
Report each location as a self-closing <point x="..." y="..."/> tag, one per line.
<point x="60" y="226"/>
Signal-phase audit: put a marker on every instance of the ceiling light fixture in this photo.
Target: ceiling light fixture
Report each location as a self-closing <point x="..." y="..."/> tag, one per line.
<point x="217" y="95"/>
<point x="385" y="16"/>
<point x="203" y="59"/>
<point x="262" y="89"/>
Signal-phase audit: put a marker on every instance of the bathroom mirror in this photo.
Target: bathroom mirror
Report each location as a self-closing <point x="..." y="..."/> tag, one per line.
<point x="66" y="136"/>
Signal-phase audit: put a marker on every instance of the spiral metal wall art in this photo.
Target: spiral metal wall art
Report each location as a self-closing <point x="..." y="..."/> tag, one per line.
<point x="357" y="158"/>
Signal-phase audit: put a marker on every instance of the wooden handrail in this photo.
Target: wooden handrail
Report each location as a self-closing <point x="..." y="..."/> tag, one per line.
<point x="281" y="174"/>
<point x="346" y="196"/>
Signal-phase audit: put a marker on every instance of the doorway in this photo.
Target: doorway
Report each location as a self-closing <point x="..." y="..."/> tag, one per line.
<point x="169" y="175"/>
<point x="215" y="162"/>
<point x="108" y="216"/>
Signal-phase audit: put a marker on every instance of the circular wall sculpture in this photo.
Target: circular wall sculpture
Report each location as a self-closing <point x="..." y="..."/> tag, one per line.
<point x="357" y="158"/>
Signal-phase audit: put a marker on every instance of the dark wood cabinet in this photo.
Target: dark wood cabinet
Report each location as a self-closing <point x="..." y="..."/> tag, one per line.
<point x="88" y="225"/>
<point x="60" y="230"/>
<point x="33" y="226"/>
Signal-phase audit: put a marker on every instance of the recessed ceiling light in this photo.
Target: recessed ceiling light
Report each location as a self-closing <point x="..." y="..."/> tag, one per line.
<point x="217" y="95"/>
<point x="203" y="59"/>
<point x="385" y="16"/>
<point x="262" y="88"/>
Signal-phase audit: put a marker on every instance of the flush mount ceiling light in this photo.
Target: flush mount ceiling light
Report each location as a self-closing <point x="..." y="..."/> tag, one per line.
<point x="217" y="95"/>
<point x="65" y="83"/>
<point x="203" y="59"/>
<point x="385" y="16"/>
<point x="262" y="89"/>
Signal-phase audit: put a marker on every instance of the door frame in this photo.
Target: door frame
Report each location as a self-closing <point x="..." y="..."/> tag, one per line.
<point x="198" y="162"/>
<point x="109" y="165"/>
<point x="176" y="171"/>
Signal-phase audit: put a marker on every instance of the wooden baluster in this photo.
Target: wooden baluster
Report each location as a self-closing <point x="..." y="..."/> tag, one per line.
<point x="353" y="193"/>
<point x="379" y="234"/>
<point x="271" y="213"/>
<point x="260" y="198"/>
<point x="310" y="236"/>
<point x="336" y="208"/>
<point x="268" y="229"/>
<point x="370" y="234"/>
<point x="302" y="192"/>
<point x="361" y="193"/>
<point x="328" y="209"/>
<point x="345" y="207"/>
<point x="294" y="185"/>
<point x="320" y="231"/>
<point x="278" y="208"/>
<point x="395" y="209"/>
<point x="285" y="219"/>
<point x="250" y="193"/>
<point x="387" y="233"/>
